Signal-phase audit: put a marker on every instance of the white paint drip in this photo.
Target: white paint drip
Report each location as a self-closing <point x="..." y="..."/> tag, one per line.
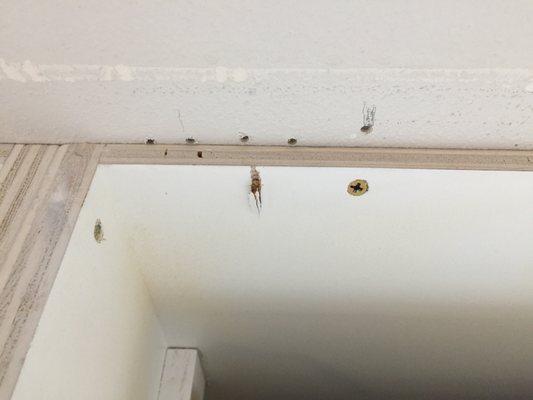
<point x="12" y="71"/>
<point x="221" y="74"/>
<point x="239" y="75"/>
<point x="33" y="73"/>
<point x="124" y="72"/>
<point x="29" y="72"/>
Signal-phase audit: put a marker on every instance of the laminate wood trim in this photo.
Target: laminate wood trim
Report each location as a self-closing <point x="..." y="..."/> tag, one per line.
<point x="5" y="150"/>
<point x="49" y="207"/>
<point x="19" y="206"/>
<point x="507" y="160"/>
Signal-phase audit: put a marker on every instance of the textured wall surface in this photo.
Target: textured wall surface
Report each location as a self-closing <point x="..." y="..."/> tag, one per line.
<point x="440" y="74"/>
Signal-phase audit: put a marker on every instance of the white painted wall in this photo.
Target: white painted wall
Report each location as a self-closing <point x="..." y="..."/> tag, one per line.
<point x="99" y="337"/>
<point x="441" y="73"/>
<point x="317" y="33"/>
<point x="421" y="288"/>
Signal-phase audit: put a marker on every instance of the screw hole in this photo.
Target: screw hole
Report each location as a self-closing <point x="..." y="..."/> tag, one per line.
<point x="244" y="138"/>
<point x="166" y="152"/>
<point x="150" y="141"/>
<point x="200" y="154"/>
<point x="292" y="141"/>
<point x="190" y="140"/>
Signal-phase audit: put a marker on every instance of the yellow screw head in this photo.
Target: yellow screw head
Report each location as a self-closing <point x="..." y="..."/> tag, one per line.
<point x="357" y="187"/>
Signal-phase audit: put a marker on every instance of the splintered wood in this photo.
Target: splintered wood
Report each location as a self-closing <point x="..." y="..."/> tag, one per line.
<point x="255" y="188"/>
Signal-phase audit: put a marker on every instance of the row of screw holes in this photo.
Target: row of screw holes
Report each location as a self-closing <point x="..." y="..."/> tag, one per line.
<point x="246" y="138"/>
<point x="243" y="139"/>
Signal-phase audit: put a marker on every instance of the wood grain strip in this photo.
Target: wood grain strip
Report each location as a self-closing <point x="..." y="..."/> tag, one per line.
<point x="9" y="207"/>
<point x="514" y="160"/>
<point x="37" y="259"/>
<point x="13" y="206"/>
<point x="15" y="225"/>
<point x="5" y="150"/>
<point x="10" y="168"/>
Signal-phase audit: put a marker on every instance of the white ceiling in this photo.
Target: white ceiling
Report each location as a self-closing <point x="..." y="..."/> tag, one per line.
<point x="440" y="73"/>
<point x="421" y="288"/>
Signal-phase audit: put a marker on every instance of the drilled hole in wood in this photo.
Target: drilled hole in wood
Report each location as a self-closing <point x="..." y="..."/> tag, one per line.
<point x="292" y="141"/>
<point x="244" y="138"/>
<point x="98" y="231"/>
<point x="200" y="154"/>
<point x="357" y="187"/>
